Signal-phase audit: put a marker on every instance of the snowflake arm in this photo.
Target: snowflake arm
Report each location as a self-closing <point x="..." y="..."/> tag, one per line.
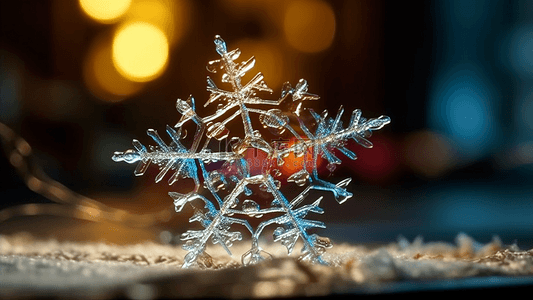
<point x="331" y="135"/>
<point x="293" y="226"/>
<point x="216" y="226"/>
<point x="169" y="157"/>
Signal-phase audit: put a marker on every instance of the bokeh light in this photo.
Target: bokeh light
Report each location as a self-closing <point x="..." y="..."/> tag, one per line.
<point x="377" y="164"/>
<point x="466" y="111"/>
<point x="100" y="75"/>
<point x="268" y="11"/>
<point x="140" y="51"/>
<point x="428" y="154"/>
<point x="462" y="108"/>
<point x="293" y="163"/>
<point x="309" y="26"/>
<point x="105" y="11"/>
<point x="268" y="60"/>
<point x="171" y="17"/>
<point x="524" y="112"/>
<point x="518" y="51"/>
<point x="471" y="208"/>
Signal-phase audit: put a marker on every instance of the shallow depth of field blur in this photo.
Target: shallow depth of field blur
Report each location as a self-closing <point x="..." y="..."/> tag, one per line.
<point x="80" y="79"/>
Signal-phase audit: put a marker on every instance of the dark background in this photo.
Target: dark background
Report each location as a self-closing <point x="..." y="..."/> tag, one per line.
<point x="454" y="76"/>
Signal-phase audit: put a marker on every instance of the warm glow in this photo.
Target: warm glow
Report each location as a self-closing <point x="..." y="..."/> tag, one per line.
<point x="105" y="11"/>
<point x="102" y="78"/>
<point x="168" y="15"/>
<point x="91" y="213"/>
<point x="378" y="164"/>
<point x="268" y="60"/>
<point x="428" y="153"/>
<point x="268" y="11"/>
<point x="293" y="163"/>
<point x="140" y="51"/>
<point x="309" y="25"/>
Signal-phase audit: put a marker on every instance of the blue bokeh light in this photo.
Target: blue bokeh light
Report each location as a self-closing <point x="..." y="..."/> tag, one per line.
<point x="461" y="106"/>
<point x="526" y="113"/>
<point x="523" y="115"/>
<point x="517" y="52"/>
<point x="478" y="208"/>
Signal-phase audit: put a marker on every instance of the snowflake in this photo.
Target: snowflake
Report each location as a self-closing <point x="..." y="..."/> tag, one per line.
<point x="225" y="191"/>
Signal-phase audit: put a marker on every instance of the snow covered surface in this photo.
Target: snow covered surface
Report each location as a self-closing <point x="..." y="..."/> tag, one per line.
<point x="30" y="268"/>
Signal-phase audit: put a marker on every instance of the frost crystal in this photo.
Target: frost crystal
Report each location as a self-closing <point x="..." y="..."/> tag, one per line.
<point x="224" y="191"/>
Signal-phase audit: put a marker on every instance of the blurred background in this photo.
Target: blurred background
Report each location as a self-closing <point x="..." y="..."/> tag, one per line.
<point x="80" y="79"/>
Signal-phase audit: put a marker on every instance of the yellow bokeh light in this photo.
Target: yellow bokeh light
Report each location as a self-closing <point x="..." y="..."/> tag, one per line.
<point x="309" y="25"/>
<point x="140" y="51"/>
<point x="105" y="11"/>
<point x="168" y="15"/>
<point x="102" y="78"/>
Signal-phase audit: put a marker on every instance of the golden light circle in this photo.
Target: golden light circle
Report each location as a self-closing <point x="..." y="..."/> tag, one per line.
<point x="309" y="25"/>
<point x="105" y="11"/>
<point x="140" y="51"/>
<point x="102" y="78"/>
<point x="168" y="15"/>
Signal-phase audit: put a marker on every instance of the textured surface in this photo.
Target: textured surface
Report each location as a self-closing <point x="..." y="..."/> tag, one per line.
<point x="48" y="268"/>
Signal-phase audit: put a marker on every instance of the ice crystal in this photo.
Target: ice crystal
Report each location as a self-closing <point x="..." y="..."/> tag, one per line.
<point x="224" y="191"/>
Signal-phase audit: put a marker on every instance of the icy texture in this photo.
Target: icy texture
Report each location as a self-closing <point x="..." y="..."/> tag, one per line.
<point x="224" y="192"/>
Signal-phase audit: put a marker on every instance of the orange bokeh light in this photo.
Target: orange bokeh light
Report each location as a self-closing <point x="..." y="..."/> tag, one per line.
<point x="268" y="60"/>
<point x="293" y="163"/>
<point x="309" y="25"/>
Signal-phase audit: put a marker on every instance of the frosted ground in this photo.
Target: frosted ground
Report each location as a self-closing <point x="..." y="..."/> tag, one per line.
<point x="30" y="268"/>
